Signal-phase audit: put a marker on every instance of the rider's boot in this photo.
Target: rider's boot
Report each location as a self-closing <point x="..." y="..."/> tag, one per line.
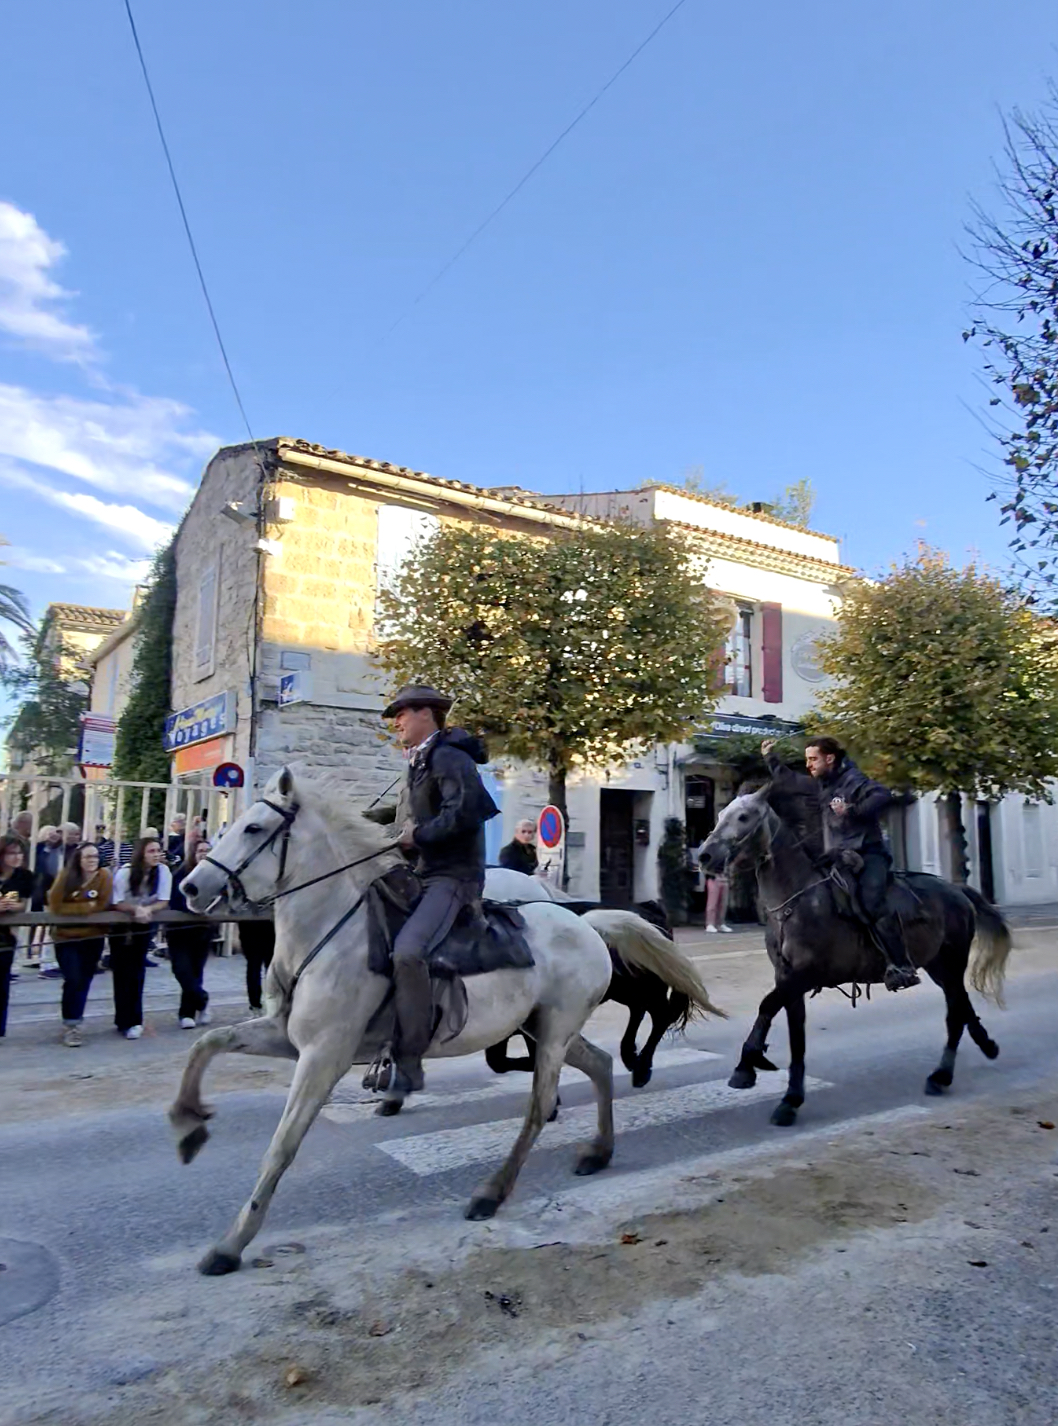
<point x="900" y="973"/>
<point x="413" y="998"/>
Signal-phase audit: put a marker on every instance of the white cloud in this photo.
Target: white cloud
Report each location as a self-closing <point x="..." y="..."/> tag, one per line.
<point x="30" y="299"/>
<point x="36" y="564"/>
<point x="115" y="445"/>
<point x="114" y="566"/>
<point x="139" y="529"/>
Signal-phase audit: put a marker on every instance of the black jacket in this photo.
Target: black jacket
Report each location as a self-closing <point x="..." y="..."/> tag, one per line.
<point x="860" y="829"/>
<point x="519" y="856"/>
<point x="447" y="801"/>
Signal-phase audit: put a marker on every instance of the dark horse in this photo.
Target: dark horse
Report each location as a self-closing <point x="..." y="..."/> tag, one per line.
<point x="643" y="991"/>
<point x="815" y="942"/>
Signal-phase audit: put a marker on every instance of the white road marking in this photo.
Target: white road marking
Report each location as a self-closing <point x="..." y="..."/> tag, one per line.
<point x="447" y="1149"/>
<point x="350" y="1103"/>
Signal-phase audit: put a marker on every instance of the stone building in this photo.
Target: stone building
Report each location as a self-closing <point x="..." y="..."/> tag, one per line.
<point x="279" y="563"/>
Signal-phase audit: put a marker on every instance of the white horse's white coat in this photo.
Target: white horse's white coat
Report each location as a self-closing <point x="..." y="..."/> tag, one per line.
<point x="337" y="995"/>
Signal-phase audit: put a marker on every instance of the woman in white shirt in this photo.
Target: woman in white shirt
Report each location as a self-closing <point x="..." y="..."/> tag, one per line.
<point x="141" y="889"/>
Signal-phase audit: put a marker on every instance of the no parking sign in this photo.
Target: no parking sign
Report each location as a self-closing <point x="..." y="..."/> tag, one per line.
<point x="551" y="844"/>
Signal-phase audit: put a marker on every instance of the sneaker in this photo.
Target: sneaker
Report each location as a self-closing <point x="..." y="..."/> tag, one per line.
<point x="134" y="1033"/>
<point x="710" y="930"/>
<point x="728" y="929"/>
<point x="51" y="973"/>
<point x="203" y="1017"/>
<point x="186" y="1022"/>
<point x="72" y="1037"/>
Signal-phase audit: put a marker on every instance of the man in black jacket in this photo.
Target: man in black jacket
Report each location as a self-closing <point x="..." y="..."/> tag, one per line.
<point x="441" y="812"/>
<point x="520" y="854"/>
<point x="852" y="806"/>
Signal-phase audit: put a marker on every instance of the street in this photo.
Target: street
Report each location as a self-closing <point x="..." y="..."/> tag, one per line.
<point x="892" y="1258"/>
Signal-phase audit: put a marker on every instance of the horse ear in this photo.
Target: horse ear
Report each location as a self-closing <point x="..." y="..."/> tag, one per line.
<point x="285" y="787"/>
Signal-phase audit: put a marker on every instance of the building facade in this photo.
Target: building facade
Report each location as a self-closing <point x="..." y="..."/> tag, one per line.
<point x="280" y="560"/>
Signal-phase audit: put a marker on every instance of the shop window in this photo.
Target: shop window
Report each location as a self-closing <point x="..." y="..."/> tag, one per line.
<point x="738" y="670"/>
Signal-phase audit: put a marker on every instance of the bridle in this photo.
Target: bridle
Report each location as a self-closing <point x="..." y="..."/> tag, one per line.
<point x="234" y="874"/>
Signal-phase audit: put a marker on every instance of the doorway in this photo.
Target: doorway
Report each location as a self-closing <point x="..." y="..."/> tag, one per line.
<point x="984" y="851"/>
<point x="616" y="847"/>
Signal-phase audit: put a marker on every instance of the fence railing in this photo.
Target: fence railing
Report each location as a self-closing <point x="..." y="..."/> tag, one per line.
<point x="115" y="804"/>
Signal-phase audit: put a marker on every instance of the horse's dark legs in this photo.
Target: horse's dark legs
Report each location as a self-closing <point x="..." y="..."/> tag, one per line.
<point x="628" y="1039"/>
<point x="960" y="1015"/>
<point x="785" y="1112"/>
<point x="661" y="1017"/>
<point x="753" y="1057"/>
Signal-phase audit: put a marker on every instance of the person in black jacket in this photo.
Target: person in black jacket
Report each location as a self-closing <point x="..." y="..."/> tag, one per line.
<point x="441" y="813"/>
<point x="852" y="806"/>
<point x="520" y="854"/>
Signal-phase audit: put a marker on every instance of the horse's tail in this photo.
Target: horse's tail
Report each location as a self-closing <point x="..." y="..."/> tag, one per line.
<point x="991" y="949"/>
<point x="642" y="947"/>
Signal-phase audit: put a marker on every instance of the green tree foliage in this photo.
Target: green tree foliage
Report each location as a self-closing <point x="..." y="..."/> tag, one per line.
<point x="47" y="726"/>
<point x="138" y="754"/>
<point x="15" y="611"/>
<point x="580" y="649"/>
<point x="675" y="874"/>
<point x="943" y="680"/>
<point x="1015" y="321"/>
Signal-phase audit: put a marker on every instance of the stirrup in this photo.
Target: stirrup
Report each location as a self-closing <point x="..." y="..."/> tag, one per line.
<point x="379" y="1076"/>
<point x="901" y="977"/>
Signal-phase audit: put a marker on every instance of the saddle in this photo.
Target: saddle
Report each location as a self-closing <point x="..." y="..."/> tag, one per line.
<point x="901" y="900"/>
<point x="479" y="942"/>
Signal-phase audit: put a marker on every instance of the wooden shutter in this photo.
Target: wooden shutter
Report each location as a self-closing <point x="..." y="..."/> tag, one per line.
<point x="771" y="652"/>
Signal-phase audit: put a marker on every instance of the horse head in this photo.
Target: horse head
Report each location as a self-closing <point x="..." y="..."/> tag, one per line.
<point x="744" y="826"/>
<point x="249" y="861"/>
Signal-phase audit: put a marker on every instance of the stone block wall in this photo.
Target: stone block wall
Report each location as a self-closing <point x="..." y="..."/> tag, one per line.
<point x="207" y="540"/>
<point x="346" y="744"/>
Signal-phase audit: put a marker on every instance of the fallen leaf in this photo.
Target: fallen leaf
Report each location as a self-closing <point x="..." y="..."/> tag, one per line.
<point x="1045" y="1123"/>
<point x="661" y="1243"/>
<point x="263" y="1263"/>
<point x="967" y="1173"/>
<point x="977" y="1262"/>
<point x="379" y="1329"/>
<point x="629" y="1238"/>
<point x="296" y="1376"/>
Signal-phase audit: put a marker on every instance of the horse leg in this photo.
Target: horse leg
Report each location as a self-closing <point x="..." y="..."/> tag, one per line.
<point x="320" y="1067"/>
<point x="753" y="1057"/>
<point x="598" y="1066"/>
<point x="550" y="1054"/>
<point x="978" y="1034"/>
<point x="661" y="1017"/>
<point x="957" y="1012"/>
<point x="188" y="1115"/>
<point x="498" y="1060"/>
<point x="785" y="1112"/>
<point x="629" y="1053"/>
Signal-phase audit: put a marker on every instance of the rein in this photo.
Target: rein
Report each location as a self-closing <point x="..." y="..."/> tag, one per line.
<point x="774" y="910"/>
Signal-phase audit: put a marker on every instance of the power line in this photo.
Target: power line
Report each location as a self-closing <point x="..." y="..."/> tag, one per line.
<point x="187" y="229"/>
<point x="443" y="271"/>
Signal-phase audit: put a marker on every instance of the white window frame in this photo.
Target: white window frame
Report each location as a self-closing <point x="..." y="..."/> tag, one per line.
<point x="400" y="529"/>
<point x="204" y="652"/>
<point x="738" y="652"/>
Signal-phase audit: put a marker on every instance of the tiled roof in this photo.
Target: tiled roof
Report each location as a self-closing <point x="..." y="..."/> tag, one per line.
<point x="85" y="618"/>
<point x="511" y="494"/>
<point x="734" y="547"/>
<point x="738" y="509"/>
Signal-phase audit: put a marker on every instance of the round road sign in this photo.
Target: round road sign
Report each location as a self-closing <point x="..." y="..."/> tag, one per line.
<point x="549" y="829"/>
<point x="228" y="775"/>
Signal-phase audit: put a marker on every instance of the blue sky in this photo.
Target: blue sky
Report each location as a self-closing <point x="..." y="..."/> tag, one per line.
<point x="745" y="258"/>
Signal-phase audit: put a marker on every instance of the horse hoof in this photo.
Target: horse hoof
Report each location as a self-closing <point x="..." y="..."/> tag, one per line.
<point x="760" y="1061"/>
<point x="190" y="1144"/>
<point x="389" y="1107"/>
<point x="553" y="1115"/>
<point x="990" y="1050"/>
<point x="783" y="1115"/>
<point x="217" y="1264"/>
<point x="936" y="1085"/>
<point x="641" y="1077"/>
<point x="478" y="1209"/>
<point x="743" y="1079"/>
<point x="592" y="1162"/>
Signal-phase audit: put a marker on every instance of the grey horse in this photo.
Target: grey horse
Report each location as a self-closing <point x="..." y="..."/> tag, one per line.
<point x="815" y="942"/>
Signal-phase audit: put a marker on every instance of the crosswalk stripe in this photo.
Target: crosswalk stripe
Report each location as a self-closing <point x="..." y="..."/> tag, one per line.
<point x="447" y="1149"/>
<point x="350" y="1103"/>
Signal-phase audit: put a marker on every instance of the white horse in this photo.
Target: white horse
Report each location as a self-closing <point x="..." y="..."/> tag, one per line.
<point x="320" y="994"/>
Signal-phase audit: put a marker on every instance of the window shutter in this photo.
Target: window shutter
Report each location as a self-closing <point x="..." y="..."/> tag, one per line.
<point x="771" y="659"/>
<point x="205" y="632"/>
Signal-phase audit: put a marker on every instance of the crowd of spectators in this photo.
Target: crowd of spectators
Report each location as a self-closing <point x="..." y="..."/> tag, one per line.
<point x="69" y="876"/>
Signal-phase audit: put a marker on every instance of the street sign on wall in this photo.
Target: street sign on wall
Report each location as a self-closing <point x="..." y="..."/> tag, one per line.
<point x="96" y="747"/>
<point x="294" y="687"/>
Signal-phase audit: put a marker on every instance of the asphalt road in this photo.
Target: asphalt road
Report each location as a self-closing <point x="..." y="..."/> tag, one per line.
<point x="100" y="1228"/>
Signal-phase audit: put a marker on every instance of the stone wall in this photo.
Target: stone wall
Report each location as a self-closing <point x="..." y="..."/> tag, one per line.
<point x="347" y="744"/>
<point x="208" y="540"/>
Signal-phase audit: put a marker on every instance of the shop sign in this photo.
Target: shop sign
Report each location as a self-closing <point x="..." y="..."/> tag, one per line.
<point x="209" y="719"/>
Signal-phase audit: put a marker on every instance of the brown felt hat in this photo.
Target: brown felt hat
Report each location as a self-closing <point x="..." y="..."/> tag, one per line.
<point x="417" y="695"/>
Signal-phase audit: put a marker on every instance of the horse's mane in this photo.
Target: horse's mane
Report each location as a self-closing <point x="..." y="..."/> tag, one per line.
<point x="330" y="798"/>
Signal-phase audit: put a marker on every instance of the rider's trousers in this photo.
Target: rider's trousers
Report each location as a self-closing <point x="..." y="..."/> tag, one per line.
<point x="442" y="900"/>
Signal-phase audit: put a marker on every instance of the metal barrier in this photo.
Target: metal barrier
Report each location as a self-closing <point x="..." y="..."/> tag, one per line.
<point x="110" y="802"/>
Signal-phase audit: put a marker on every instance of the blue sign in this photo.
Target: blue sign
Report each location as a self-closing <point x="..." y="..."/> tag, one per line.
<point x="228" y="775"/>
<point x="208" y="719"/>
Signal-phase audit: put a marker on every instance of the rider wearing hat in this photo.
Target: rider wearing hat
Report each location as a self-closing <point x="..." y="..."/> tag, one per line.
<point x="441" y="812"/>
